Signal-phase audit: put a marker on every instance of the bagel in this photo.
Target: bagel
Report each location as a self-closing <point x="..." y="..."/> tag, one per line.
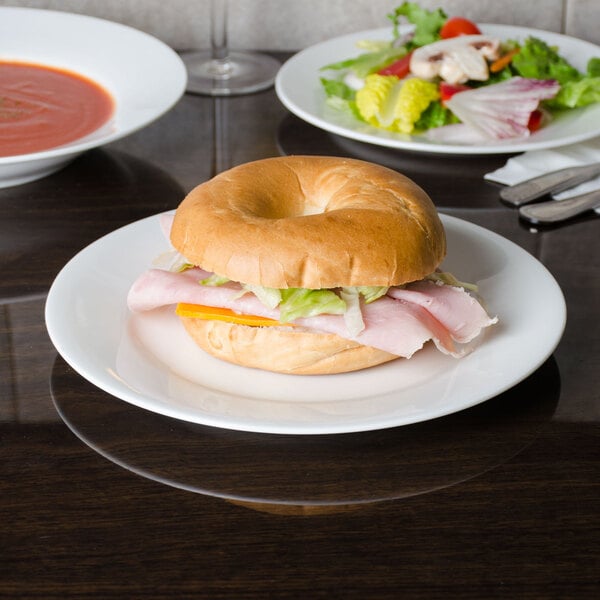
<point x="293" y="352"/>
<point x="310" y="222"/>
<point x="305" y="222"/>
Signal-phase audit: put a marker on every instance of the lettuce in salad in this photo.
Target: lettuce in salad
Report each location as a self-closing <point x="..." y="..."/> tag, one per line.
<point x="538" y="60"/>
<point x="340" y="96"/>
<point x="593" y="67"/>
<point x="390" y="103"/>
<point x="574" y="94"/>
<point x="435" y="115"/>
<point x="368" y="62"/>
<point x="581" y="92"/>
<point x="428" y="23"/>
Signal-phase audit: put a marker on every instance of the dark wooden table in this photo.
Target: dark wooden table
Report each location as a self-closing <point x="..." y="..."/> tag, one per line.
<point x="99" y="499"/>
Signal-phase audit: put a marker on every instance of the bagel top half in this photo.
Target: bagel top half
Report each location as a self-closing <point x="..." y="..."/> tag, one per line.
<point x="310" y="222"/>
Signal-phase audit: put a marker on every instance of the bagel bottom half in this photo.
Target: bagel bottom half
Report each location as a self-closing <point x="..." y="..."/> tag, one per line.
<point x="281" y="349"/>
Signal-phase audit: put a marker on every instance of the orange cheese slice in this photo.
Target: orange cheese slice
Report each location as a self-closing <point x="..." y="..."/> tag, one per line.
<point x="199" y="311"/>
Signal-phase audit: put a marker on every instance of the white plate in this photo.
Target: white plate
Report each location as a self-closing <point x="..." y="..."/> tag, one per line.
<point x="150" y="362"/>
<point x="144" y="76"/>
<point x="299" y="89"/>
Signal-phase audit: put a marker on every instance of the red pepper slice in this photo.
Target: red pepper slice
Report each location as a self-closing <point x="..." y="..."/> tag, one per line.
<point x="447" y="90"/>
<point x="535" y="120"/>
<point x="400" y="68"/>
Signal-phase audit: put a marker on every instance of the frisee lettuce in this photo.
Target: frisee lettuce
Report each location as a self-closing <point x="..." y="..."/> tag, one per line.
<point x="427" y="23"/>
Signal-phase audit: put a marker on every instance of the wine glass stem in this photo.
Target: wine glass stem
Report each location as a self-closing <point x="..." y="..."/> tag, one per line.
<point x="221" y="63"/>
<point x="221" y="158"/>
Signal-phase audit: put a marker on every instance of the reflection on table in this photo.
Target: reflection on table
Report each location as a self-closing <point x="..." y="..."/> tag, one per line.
<point x="308" y="471"/>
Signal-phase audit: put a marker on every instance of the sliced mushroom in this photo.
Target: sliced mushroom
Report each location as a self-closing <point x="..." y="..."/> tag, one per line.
<point x="456" y="60"/>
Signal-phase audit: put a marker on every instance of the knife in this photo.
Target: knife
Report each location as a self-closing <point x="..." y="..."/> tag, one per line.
<point x="554" y="211"/>
<point x="556" y="181"/>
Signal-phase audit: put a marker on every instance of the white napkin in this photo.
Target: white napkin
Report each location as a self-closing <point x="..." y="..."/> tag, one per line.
<point x="537" y="162"/>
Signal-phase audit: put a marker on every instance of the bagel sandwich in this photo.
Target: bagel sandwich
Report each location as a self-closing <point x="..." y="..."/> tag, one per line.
<point x="311" y="265"/>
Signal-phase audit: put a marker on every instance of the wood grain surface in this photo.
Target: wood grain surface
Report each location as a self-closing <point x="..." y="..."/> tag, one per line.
<point x="99" y="499"/>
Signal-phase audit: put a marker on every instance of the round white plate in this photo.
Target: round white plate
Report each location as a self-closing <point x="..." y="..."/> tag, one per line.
<point x="145" y="77"/>
<point x="149" y="361"/>
<point x="299" y="89"/>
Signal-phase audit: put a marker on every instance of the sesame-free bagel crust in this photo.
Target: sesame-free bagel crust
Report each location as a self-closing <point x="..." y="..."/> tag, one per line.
<point x="282" y="350"/>
<point x="312" y="222"/>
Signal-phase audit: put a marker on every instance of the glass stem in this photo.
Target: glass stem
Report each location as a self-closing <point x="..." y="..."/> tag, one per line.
<point x="221" y="63"/>
<point x="221" y="159"/>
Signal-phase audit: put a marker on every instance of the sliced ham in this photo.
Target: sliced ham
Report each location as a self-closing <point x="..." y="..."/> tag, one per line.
<point x="399" y="323"/>
<point x="394" y="326"/>
<point x="403" y="326"/>
<point x="457" y="310"/>
<point x="158" y="287"/>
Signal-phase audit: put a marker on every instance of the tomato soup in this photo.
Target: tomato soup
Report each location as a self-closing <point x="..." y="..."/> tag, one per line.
<point x="44" y="107"/>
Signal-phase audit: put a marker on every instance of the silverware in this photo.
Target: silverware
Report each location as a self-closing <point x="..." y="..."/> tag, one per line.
<point x="557" y="181"/>
<point x="559" y="210"/>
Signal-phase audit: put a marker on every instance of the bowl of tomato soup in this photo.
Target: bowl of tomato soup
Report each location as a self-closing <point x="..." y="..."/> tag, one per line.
<point x="43" y="107"/>
<point x="71" y="82"/>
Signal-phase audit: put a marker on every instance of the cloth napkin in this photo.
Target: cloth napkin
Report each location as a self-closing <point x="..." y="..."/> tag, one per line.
<point x="537" y="162"/>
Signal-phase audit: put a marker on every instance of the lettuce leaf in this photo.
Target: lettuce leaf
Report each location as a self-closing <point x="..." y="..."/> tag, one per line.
<point x="538" y="60"/>
<point x="300" y="302"/>
<point x="372" y="292"/>
<point x="353" y="316"/>
<point x="427" y="23"/>
<point x="446" y="278"/>
<point x="270" y="297"/>
<point x="435" y="115"/>
<point x="593" y="67"/>
<point x="368" y="62"/>
<point x="214" y="280"/>
<point x="337" y="89"/>
<point x="340" y="96"/>
<point x="394" y="104"/>
<point x="574" y="94"/>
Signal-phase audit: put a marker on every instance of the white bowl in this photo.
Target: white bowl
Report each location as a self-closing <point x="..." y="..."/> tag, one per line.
<point x="145" y="77"/>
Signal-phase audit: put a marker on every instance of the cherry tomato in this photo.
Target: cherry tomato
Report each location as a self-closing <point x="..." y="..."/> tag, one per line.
<point x="400" y="68"/>
<point x="447" y="90"/>
<point x="535" y="120"/>
<point x="456" y="26"/>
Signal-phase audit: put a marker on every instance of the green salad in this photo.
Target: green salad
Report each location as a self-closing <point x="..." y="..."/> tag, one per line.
<point x="445" y="77"/>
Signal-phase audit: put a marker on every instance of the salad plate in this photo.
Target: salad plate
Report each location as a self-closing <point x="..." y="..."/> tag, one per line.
<point x="149" y="361"/>
<point x="144" y="76"/>
<point x="299" y="88"/>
